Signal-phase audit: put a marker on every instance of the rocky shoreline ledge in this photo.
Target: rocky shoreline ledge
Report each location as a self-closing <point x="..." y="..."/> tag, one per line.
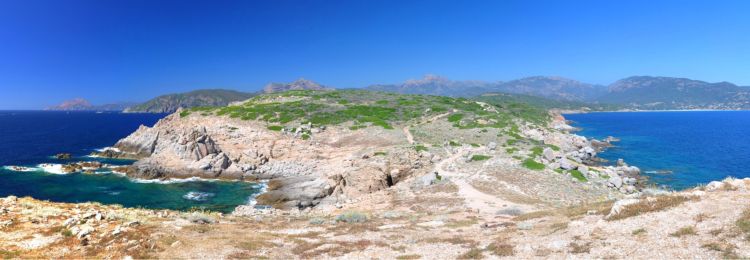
<point x="703" y="222"/>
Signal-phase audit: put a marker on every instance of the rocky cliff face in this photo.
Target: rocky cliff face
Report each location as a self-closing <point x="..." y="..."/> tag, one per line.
<point x="302" y="172"/>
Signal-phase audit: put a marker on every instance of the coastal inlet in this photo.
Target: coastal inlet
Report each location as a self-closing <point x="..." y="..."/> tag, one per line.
<point x="30" y="165"/>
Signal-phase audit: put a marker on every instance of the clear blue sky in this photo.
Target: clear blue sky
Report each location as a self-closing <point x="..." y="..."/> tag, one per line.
<point x="129" y="50"/>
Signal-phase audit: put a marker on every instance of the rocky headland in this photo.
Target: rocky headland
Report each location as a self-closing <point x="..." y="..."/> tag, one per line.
<point x="356" y="174"/>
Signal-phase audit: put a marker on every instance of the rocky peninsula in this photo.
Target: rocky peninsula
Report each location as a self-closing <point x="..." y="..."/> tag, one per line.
<point x="357" y="174"/>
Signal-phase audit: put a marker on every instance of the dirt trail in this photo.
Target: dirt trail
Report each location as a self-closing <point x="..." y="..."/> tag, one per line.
<point x="407" y="131"/>
<point x="484" y="203"/>
<point x="409" y="137"/>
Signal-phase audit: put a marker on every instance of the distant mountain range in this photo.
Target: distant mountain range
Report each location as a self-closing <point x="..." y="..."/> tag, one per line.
<point x="80" y="104"/>
<point x="215" y="97"/>
<point x="648" y="93"/>
<point x="556" y="88"/>
<point x="639" y="92"/>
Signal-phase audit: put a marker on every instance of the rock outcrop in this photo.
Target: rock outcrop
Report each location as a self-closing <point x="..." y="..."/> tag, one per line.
<point x="303" y="173"/>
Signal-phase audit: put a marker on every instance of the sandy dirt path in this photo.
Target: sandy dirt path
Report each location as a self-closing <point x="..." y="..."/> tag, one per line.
<point x="485" y="204"/>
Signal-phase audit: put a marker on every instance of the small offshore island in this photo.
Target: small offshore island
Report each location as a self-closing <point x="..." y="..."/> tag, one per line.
<point x="363" y="174"/>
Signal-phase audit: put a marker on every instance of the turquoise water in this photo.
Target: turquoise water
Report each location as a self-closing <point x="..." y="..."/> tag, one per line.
<point x="675" y="149"/>
<point x="31" y="138"/>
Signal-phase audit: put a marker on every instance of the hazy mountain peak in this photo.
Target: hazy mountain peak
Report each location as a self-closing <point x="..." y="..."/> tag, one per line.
<point x="299" y="84"/>
<point x="81" y="104"/>
<point x="427" y="79"/>
<point x="73" y="104"/>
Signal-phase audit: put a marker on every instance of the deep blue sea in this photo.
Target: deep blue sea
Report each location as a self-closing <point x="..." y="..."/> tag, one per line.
<point x="30" y="138"/>
<point x="675" y="149"/>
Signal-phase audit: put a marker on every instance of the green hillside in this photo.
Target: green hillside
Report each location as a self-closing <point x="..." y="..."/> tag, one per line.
<point x="361" y="108"/>
<point x="206" y="97"/>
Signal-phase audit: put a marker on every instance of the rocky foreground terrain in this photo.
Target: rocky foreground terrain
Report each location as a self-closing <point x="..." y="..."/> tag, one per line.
<point x="360" y="175"/>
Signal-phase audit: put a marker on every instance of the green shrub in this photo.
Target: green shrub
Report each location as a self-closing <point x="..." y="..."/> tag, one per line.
<point x="553" y="147"/>
<point x="275" y="127"/>
<point x="455" y="118"/>
<point x="474" y="145"/>
<point x="578" y="175"/>
<point x="305" y="136"/>
<point x="420" y="148"/>
<point x="511" y="150"/>
<point x="452" y="143"/>
<point x="536" y="151"/>
<point x="479" y="157"/>
<point x="533" y="165"/>
<point x="380" y="154"/>
<point x="352" y="217"/>
<point x="184" y="113"/>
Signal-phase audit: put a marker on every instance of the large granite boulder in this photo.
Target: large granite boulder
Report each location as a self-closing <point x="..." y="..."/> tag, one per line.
<point x="295" y="192"/>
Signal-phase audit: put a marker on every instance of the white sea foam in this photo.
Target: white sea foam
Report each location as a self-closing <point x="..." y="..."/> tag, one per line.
<point x="198" y="196"/>
<point x="20" y="168"/>
<point x="114" y="149"/>
<point x="170" y="181"/>
<point x="263" y="185"/>
<point x="54" y="168"/>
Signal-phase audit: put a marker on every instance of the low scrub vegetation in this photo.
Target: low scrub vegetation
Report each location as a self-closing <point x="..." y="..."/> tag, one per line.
<point x="743" y="223"/>
<point x="578" y="175"/>
<point x="684" y="231"/>
<point x="651" y="204"/>
<point x="352" y="217"/>
<point x="366" y="108"/>
<point x="500" y="248"/>
<point x="474" y="253"/>
<point x="533" y="165"/>
<point x="479" y="157"/>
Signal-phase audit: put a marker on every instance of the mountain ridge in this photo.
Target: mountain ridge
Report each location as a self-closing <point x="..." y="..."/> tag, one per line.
<point x="81" y="104"/>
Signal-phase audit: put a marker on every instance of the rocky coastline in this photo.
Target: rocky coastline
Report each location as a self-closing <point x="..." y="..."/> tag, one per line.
<point x="336" y="192"/>
<point x="324" y="172"/>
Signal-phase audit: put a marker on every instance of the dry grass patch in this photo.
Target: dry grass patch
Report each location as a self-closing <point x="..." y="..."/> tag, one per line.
<point x="408" y="257"/>
<point x="331" y="248"/>
<point x="202" y="229"/>
<point x="580" y="247"/>
<point x="599" y="208"/>
<point x="474" y="253"/>
<point x="743" y="223"/>
<point x="254" y="244"/>
<point x="684" y="231"/>
<point x="701" y="217"/>
<point x="353" y="228"/>
<point x="462" y="223"/>
<point x="500" y="248"/>
<point x="558" y="226"/>
<point x="651" y="204"/>
<point x="639" y="231"/>
<point x="453" y="240"/>
<point x="725" y="248"/>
